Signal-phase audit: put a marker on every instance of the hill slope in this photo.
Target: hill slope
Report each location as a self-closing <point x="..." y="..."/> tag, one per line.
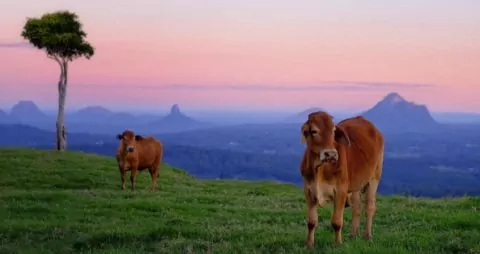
<point x="71" y="202"/>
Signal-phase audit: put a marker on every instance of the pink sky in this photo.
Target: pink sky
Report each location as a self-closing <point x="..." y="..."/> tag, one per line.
<point x="280" y="52"/>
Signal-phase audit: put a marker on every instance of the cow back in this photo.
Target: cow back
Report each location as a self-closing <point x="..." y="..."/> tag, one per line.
<point x="365" y="151"/>
<point x="150" y="151"/>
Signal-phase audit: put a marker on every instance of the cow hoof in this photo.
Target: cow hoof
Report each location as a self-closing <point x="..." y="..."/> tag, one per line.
<point x="367" y="237"/>
<point x="337" y="242"/>
<point x="309" y="245"/>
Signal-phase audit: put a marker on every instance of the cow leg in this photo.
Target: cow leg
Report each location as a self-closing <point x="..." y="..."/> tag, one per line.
<point x="370" y="207"/>
<point x="337" y="216"/>
<point x="133" y="175"/>
<point x="122" y="175"/>
<point x="312" y="217"/>
<point x="356" y="204"/>
<point x="154" y="175"/>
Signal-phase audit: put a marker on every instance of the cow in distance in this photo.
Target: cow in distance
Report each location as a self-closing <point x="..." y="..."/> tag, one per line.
<point x="136" y="153"/>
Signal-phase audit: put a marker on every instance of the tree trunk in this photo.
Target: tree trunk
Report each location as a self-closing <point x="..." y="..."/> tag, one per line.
<point x="62" y="94"/>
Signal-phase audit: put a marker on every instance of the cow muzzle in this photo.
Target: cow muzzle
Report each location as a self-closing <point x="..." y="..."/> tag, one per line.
<point x="329" y="155"/>
<point x="130" y="149"/>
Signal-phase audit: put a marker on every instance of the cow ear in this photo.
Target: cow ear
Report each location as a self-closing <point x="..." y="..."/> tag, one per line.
<point x="341" y="136"/>
<point x="138" y="137"/>
<point x="302" y="133"/>
<point x="119" y="136"/>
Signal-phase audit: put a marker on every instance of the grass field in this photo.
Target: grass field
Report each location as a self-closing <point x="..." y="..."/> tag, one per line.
<point x="72" y="202"/>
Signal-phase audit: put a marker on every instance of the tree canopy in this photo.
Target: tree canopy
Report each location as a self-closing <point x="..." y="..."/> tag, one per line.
<point x="60" y="34"/>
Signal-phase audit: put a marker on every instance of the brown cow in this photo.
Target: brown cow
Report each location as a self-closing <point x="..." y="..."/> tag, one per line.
<point x="340" y="162"/>
<point x="136" y="153"/>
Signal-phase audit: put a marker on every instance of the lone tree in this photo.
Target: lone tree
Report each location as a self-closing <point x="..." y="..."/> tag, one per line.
<point x="61" y="36"/>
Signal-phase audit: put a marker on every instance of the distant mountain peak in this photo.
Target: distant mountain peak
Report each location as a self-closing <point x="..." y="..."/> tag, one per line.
<point x="397" y="113"/>
<point x="394" y="98"/>
<point x="26" y="108"/>
<point x="176" y="114"/>
<point x="26" y="104"/>
<point x="175" y="110"/>
<point x="176" y="120"/>
<point x="26" y="111"/>
<point x="301" y="116"/>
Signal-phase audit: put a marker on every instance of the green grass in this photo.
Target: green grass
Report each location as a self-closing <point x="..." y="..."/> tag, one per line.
<point x="72" y="202"/>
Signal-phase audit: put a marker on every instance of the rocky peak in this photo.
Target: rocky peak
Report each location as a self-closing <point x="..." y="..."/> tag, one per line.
<point x="394" y="98"/>
<point x="393" y="110"/>
<point x="175" y="110"/>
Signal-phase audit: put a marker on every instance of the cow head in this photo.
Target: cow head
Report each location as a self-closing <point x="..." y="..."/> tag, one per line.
<point x="129" y="140"/>
<point x="322" y="136"/>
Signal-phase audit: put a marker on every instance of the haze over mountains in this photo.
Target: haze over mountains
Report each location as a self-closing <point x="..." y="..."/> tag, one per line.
<point x="97" y="119"/>
<point x="393" y="114"/>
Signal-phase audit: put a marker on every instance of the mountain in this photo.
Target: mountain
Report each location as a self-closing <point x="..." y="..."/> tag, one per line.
<point x="394" y="113"/>
<point x="457" y="117"/>
<point x="28" y="112"/>
<point x="176" y="121"/>
<point x="97" y="114"/>
<point x="4" y="118"/>
<point x="301" y="116"/>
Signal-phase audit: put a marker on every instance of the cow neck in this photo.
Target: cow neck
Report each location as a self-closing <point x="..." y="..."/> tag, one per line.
<point x="310" y="159"/>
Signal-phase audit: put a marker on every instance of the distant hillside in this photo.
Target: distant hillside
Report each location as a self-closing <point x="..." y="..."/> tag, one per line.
<point x="252" y="153"/>
<point x="25" y="135"/>
<point x="457" y="117"/>
<point x="4" y="118"/>
<point x="302" y="116"/>
<point x="394" y="113"/>
<point x="176" y="121"/>
<point x="71" y="202"/>
<point x="95" y="114"/>
<point x="28" y="112"/>
<point x="401" y="174"/>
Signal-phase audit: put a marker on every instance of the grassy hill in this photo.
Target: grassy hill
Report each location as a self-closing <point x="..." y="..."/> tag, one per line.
<point x="72" y="202"/>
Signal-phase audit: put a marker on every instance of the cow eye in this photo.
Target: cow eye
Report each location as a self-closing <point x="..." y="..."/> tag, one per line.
<point x="313" y="132"/>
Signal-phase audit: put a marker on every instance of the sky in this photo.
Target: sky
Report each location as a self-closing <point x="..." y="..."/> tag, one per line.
<point x="269" y="54"/>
